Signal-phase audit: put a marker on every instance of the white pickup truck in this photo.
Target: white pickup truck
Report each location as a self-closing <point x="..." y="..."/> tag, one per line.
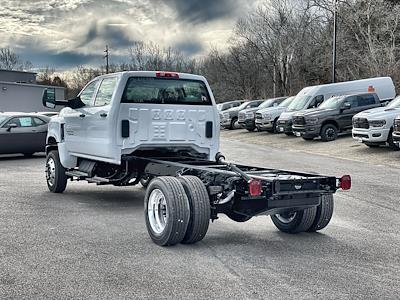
<point x="374" y="127"/>
<point x="162" y="129"/>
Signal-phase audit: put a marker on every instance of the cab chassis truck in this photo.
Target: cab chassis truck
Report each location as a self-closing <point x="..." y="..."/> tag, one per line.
<point x="161" y="129"/>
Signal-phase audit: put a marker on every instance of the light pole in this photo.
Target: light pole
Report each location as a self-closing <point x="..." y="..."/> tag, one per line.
<point x="334" y="41"/>
<point x="106" y="57"/>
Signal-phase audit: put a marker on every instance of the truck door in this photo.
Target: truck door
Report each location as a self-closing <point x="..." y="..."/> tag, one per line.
<point x="347" y="113"/>
<point x="98" y="121"/>
<point x="75" y="120"/>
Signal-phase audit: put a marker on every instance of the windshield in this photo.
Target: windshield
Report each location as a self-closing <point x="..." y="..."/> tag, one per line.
<point x="395" y="103"/>
<point x="331" y="103"/>
<point x="242" y="106"/>
<point x="165" y="91"/>
<point x="287" y="102"/>
<point x="267" y="103"/>
<point x="299" y="103"/>
<point x="3" y="118"/>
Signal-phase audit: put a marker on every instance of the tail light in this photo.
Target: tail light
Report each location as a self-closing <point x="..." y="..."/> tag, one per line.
<point x="345" y="182"/>
<point x="167" y="75"/>
<point x="255" y="187"/>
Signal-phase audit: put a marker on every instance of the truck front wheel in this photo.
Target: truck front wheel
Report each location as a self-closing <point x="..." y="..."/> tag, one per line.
<point x="55" y="173"/>
<point x="200" y="210"/>
<point x="295" y="221"/>
<point x="167" y="210"/>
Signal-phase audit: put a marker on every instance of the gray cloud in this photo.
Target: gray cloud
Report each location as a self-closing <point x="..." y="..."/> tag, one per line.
<point x="190" y="48"/>
<point x="195" y="11"/>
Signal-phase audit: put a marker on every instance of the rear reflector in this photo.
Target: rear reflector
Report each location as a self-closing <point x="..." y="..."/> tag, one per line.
<point x="167" y="74"/>
<point x="255" y="187"/>
<point x="345" y="182"/>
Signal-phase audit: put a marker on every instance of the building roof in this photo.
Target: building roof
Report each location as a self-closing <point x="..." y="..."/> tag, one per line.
<point x="17" y="71"/>
<point x="31" y="85"/>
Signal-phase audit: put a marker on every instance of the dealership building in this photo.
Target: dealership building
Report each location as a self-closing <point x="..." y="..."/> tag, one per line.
<point x="20" y="92"/>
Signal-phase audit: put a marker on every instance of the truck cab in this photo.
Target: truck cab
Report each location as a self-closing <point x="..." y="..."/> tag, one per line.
<point x="125" y="113"/>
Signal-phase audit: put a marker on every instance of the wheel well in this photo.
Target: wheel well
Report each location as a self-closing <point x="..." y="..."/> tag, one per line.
<point x="51" y="144"/>
<point x="332" y="122"/>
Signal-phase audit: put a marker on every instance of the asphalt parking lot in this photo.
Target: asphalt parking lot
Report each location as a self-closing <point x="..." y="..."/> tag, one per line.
<point x="91" y="242"/>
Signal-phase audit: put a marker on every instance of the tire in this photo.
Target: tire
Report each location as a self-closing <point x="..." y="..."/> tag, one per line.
<point x="238" y="217"/>
<point x="324" y="213"/>
<point x="251" y="129"/>
<point x="200" y="210"/>
<point x="27" y="155"/>
<point x="307" y="138"/>
<point x="392" y="145"/>
<point x="275" y="126"/>
<point x="169" y="213"/>
<point x="233" y="123"/>
<point x="295" y="222"/>
<point x="329" y="133"/>
<point x="55" y="173"/>
<point x="371" y="145"/>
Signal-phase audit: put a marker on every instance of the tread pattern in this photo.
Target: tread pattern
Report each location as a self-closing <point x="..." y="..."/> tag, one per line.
<point x="324" y="213"/>
<point x="200" y="210"/>
<point x="178" y="210"/>
<point x="302" y="222"/>
<point x="60" y="182"/>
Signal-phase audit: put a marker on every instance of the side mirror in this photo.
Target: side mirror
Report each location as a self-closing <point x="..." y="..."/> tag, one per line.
<point x="12" y="125"/>
<point x="346" y="106"/>
<point x="49" y="98"/>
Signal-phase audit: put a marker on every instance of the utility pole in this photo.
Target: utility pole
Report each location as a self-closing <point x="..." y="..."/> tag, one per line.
<point x="334" y="42"/>
<point x="107" y="54"/>
<point x="274" y="81"/>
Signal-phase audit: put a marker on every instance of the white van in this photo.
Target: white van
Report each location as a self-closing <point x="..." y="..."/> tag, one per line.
<point x="313" y="96"/>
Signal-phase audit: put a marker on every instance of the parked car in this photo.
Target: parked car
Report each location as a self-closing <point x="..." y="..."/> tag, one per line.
<point x="267" y="118"/>
<point x="48" y="113"/>
<point x="312" y="97"/>
<point x="396" y="131"/>
<point x="374" y="127"/>
<point x="229" y="117"/>
<point x="247" y="116"/>
<point x="22" y="133"/>
<point x="332" y="117"/>
<point x="230" y="104"/>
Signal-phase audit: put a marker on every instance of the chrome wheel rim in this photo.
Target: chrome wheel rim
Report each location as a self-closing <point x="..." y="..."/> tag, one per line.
<point x="330" y="133"/>
<point x="50" y="171"/>
<point x="286" y="217"/>
<point x="157" y="211"/>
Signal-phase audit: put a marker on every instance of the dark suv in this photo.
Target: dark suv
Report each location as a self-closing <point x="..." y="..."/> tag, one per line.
<point x="332" y="116"/>
<point x="396" y="131"/>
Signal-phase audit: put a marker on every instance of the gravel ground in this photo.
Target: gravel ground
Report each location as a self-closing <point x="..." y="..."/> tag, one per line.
<point x="91" y="242"/>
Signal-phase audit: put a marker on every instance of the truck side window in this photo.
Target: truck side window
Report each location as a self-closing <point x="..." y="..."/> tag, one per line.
<point x="352" y="100"/>
<point x="316" y="101"/>
<point x="366" y="100"/>
<point x="105" y="91"/>
<point x="86" y="95"/>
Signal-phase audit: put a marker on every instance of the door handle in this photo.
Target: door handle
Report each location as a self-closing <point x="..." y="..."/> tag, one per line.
<point x="103" y="115"/>
<point x="82" y="115"/>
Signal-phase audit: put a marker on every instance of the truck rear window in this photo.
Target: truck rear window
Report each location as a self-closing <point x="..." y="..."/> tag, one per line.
<point x="165" y="91"/>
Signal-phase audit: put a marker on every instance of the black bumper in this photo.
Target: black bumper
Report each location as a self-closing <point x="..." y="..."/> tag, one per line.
<point x="248" y="124"/>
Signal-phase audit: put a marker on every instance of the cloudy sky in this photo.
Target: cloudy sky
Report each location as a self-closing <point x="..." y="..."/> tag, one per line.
<point x="66" y="33"/>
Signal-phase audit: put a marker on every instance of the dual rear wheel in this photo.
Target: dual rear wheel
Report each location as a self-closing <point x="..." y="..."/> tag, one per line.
<point x="311" y="219"/>
<point x="177" y="210"/>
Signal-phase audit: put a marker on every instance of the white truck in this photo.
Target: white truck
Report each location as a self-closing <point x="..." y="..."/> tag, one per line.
<point x="374" y="127"/>
<point x="162" y="129"/>
<point x="312" y="96"/>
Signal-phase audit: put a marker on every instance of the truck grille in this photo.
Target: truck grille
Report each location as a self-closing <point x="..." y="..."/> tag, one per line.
<point x="259" y="116"/>
<point x="282" y="122"/>
<point x="242" y="117"/>
<point x="360" y="123"/>
<point x="397" y="126"/>
<point x="299" y="121"/>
